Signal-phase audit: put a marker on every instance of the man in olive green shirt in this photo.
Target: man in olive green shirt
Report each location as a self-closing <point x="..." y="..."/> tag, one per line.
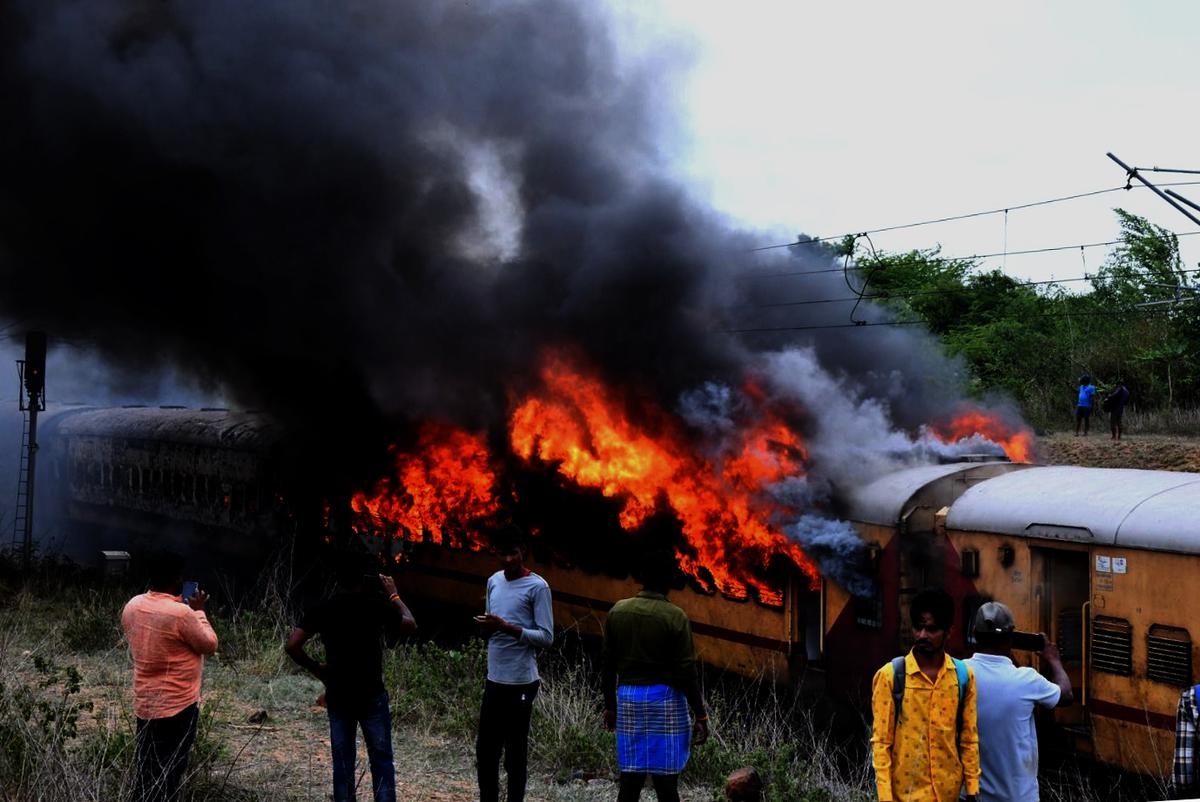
<point x="649" y="681"/>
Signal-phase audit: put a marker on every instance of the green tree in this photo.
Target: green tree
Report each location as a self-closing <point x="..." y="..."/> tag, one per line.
<point x="1159" y="337"/>
<point x="1032" y="342"/>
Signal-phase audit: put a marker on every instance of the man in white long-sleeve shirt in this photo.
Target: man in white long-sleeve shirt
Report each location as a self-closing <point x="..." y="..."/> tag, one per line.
<point x="518" y="620"/>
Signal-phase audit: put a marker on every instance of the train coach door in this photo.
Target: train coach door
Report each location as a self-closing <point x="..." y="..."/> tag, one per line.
<point x="1059" y="599"/>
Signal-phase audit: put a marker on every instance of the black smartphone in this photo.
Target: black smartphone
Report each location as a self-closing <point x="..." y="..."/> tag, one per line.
<point x="1028" y="641"/>
<point x="189" y="589"/>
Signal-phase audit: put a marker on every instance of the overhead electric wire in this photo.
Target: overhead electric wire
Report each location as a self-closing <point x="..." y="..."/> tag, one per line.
<point x="943" y="291"/>
<point x="865" y="324"/>
<point x="1051" y="249"/>
<point x="967" y="216"/>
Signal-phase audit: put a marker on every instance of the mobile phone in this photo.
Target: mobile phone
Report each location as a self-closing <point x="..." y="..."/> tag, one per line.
<point x="1028" y="641"/>
<point x="189" y="588"/>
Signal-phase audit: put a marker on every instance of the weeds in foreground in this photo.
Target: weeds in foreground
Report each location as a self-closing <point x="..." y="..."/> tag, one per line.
<point x="438" y="689"/>
<point x="53" y="747"/>
<point x="95" y="624"/>
<point x="754" y="724"/>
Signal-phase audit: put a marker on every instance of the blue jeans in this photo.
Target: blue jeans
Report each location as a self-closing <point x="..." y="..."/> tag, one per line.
<point x="375" y="717"/>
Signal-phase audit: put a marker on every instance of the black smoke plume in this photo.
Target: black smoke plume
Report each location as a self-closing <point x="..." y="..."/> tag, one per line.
<point x="357" y="215"/>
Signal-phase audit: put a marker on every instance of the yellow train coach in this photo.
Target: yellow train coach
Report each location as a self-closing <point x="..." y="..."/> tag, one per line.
<point x="1105" y="562"/>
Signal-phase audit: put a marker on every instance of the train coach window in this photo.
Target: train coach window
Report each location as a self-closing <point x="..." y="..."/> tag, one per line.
<point x="1169" y="655"/>
<point x="971" y="605"/>
<point x="1112" y="645"/>
<point x="1069" y="637"/>
<point x="970" y="562"/>
<point x="868" y="610"/>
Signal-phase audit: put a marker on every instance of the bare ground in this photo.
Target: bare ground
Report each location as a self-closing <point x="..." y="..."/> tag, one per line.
<point x="1097" y="450"/>
<point x="286" y="756"/>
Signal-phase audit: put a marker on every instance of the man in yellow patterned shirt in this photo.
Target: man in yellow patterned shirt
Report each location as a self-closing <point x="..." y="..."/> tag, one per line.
<point x="928" y="749"/>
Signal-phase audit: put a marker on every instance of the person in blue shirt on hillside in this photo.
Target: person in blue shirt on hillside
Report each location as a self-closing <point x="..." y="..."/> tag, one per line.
<point x="1087" y="400"/>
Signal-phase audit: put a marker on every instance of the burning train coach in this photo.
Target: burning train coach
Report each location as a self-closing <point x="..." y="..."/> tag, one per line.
<point x="1073" y="551"/>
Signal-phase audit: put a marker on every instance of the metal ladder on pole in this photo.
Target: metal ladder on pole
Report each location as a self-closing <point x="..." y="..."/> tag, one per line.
<point x="21" y="510"/>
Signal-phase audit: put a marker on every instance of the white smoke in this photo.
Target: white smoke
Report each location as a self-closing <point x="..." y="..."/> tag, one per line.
<point x="852" y="439"/>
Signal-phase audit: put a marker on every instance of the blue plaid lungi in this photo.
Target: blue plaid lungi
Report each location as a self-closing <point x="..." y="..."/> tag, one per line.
<point x="654" y="733"/>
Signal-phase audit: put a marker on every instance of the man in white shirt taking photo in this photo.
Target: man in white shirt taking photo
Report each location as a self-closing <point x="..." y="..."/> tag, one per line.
<point x="1006" y="697"/>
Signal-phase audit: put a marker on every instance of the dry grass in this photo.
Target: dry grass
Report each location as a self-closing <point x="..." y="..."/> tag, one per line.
<point x="66" y="728"/>
<point x="1134" y="450"/>
<point x="435" y="698"/>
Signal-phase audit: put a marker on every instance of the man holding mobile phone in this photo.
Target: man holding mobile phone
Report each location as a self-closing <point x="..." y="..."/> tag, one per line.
<point x="518" y="620"/>
<point x="168" y="640"/>
<point x="1008" y="746"/>
<point x="354" y="623"/>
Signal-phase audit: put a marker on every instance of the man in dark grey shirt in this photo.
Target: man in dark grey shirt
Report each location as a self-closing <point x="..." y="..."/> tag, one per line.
<point x="518" y="620"/>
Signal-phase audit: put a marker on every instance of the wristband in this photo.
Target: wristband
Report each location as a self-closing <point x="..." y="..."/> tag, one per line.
<point x="702" y="718"/>
<point x="395" y="597"/>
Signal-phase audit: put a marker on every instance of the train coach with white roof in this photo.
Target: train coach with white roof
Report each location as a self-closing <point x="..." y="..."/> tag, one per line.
<point x="1102" y="560"/>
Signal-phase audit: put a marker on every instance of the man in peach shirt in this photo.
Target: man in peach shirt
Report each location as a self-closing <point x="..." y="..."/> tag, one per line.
<point x="168" y="639"/>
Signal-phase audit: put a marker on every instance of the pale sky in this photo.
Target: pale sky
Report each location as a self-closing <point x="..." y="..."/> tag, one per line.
<point x="834" y="117"/>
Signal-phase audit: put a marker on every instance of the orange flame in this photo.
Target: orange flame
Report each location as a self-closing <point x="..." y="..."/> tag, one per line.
<point x="443" y="485"/>
<point x="1017" y="441"/>
<point x="732" y="526"/>
<point x="725" y="515"/>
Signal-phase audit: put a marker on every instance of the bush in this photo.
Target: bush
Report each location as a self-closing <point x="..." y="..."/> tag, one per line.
<point x="437" y="688"/>
<point x="247" y="635"/>
<point x="568" y="739"/>
<point x="94" y="624"/>
<point x="1183" y="421"/>
<point x="38" y="719"/>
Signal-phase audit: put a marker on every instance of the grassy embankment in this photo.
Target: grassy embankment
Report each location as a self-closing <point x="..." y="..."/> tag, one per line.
<point x="66" y="730"/>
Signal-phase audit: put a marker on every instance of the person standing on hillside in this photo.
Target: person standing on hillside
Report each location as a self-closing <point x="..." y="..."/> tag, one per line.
<point x="518" y="620"/>
<point x="1083" y="408"/>
<point x="649" y="681"/>
<point x="925" y="738"/>
<point x="168" y="640"/>
<point x="1115" y="403"/>
<point x="1008" y="746"/>
<point x="354" y="624"/>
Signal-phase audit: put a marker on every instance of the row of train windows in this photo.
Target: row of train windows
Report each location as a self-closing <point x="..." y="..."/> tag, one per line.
<point x="1168" y="650"/>
<point x="170" y="486"/>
